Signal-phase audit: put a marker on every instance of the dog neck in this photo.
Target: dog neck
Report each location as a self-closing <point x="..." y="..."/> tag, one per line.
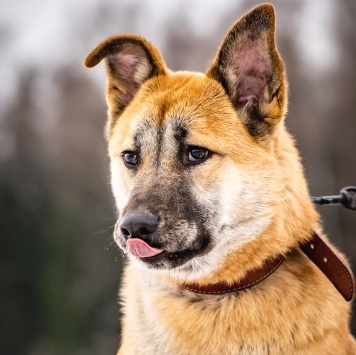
<point x="316" y="249"/>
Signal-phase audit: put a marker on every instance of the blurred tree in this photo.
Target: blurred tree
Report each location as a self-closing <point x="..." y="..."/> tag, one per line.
<point x="54" y="197"/>
<point x="340" y="124"/>
<point x="24" y="204"/>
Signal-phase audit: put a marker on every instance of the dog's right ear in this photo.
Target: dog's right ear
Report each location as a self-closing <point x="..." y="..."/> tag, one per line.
<point x="130" y="61"/>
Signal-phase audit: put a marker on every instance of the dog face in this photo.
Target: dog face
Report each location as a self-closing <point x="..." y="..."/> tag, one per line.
<point x="194" y="172"/>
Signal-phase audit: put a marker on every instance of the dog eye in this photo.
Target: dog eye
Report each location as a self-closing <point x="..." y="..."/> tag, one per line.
<point x="197" y="154"/>
<point x="130" y="159"/>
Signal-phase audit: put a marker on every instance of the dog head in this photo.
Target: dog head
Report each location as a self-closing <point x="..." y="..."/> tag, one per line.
<point x="193" y="156"/>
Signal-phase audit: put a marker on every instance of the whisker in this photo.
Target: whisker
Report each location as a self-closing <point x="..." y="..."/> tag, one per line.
<point x="109" y="244"/>
<point x="102" y="230"/>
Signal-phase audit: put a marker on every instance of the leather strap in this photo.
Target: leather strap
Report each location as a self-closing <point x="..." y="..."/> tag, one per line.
<point x="335" y="269"/>
<point x="316" y="249"/>
<point x="252" y="278"/>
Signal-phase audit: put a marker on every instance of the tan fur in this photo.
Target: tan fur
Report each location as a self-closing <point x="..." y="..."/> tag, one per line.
<point x="256" y="176"/>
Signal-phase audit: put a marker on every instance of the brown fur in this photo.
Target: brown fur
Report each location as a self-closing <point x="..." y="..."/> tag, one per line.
<point x="254" y="177"/>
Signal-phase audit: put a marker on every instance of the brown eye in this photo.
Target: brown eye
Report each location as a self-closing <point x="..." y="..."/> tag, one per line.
<point x="130" y="159"/>
<point x="197" y="154"/>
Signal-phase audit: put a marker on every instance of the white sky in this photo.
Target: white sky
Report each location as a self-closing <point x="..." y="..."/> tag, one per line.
<point x="48" y="34"/>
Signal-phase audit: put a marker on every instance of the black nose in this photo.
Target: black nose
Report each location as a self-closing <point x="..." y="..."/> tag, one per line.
<point x="138" y="225"/>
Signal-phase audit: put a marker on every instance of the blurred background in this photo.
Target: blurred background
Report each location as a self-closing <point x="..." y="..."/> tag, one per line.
<point x="59" y="268"/>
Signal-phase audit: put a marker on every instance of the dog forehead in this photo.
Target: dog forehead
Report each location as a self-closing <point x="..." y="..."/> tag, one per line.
<point x="168" y="105"/>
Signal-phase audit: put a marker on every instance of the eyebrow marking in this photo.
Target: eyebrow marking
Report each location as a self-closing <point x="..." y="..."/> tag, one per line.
<point x="180" y="133"/>
<point x="141" y="131"/>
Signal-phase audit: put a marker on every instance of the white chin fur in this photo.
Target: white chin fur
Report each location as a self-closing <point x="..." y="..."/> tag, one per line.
<point x="229" y="242"/>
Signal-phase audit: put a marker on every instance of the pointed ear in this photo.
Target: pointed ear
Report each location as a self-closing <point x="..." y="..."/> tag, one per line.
<point x="130" y="61"/>
<point x="252" y="73"/>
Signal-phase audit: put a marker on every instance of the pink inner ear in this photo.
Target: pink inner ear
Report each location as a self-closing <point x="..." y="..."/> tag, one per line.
<point x="125" y="65"/>
<point x="250" y="62"/>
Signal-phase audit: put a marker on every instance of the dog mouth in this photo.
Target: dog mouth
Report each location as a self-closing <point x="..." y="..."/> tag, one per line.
<point x="159" y="258"/>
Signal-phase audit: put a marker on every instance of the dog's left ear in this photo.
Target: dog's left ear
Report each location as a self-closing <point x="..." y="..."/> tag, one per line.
<point x="252" y="73"/>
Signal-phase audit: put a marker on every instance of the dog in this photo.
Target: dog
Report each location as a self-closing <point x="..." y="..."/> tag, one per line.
<point x="225" y="251"/>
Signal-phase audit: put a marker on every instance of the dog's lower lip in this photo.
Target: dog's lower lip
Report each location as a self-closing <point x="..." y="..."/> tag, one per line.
<point x="166" y="254"/>
<point x="170" y="254"/>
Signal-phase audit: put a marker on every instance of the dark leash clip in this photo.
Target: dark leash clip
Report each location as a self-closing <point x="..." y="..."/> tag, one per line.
<point x="347" y="198"/>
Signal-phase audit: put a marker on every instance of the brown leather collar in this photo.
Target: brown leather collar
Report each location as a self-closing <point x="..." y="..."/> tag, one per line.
<point x="316" y="249"/>
<point x="320" y="252"/>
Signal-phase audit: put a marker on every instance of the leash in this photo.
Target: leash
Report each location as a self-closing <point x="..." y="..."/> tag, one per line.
<point x="347" y="198"/>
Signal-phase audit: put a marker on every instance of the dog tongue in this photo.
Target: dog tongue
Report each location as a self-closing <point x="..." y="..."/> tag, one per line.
<point x="139" y="248"/>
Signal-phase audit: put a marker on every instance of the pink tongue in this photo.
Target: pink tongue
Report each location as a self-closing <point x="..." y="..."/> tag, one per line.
<point x="139" y="248"/>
